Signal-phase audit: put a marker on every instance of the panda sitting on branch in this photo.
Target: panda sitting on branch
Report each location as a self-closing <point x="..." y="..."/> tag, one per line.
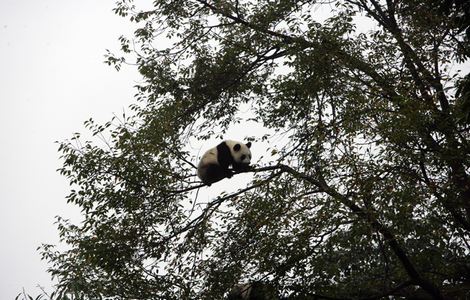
<point x="215" y="163"/>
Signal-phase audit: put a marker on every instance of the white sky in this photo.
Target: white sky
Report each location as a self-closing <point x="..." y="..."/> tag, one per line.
<point x="52" y="78"/>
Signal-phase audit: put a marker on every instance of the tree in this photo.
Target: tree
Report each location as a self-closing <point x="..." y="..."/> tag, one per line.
<point x="367" y="198"/>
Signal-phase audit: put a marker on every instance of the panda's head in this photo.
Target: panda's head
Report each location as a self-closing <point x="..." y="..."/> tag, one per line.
<point x="241" y="153"/>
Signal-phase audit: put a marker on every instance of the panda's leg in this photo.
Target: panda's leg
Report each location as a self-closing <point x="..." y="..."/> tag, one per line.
<point x="225" y="159"/>
<point x="241" y="167"/>
<point x="215" y="173"/>
<point x="228" y="173"/>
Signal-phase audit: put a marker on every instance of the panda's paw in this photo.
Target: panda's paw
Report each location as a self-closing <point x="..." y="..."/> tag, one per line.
<point x="247" y="168"/>
<point x="229" y="174"/>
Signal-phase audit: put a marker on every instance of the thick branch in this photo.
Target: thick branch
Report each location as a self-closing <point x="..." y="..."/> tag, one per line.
<point x="373" y="221"/>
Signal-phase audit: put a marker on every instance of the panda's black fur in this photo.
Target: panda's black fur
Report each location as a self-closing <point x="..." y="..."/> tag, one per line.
<point x="215" y="163"/>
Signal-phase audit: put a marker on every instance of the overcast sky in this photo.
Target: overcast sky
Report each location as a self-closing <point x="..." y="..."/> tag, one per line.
<point x="52" y="78"/>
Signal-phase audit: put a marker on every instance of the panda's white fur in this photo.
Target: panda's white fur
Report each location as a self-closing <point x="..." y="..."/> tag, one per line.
<point x="215" y="163"/>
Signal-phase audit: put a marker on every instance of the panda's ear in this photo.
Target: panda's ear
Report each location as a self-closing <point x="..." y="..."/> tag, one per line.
<point x="237" y="147"/>
<point x="248" y="144"/>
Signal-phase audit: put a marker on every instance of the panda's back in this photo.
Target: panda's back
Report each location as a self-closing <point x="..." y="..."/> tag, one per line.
<point x="209" y="157"/>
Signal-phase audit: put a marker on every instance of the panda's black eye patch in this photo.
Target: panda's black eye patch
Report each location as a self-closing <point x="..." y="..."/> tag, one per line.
<point x="243" y="157"/>
<point x="237" y="147"/>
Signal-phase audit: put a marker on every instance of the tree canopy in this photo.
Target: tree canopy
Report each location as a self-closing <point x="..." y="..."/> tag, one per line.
<point x="367" y="195"/>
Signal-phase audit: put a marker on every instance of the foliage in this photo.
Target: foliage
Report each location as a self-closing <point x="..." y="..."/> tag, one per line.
<point x="367" y="197"/>
<point x="43" y="296"/>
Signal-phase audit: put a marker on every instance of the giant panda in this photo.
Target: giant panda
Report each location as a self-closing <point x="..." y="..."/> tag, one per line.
<point x="214" y="164"/>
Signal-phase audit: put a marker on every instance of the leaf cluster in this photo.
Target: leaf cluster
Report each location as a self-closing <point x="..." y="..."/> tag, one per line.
<point x="366" y="197"/>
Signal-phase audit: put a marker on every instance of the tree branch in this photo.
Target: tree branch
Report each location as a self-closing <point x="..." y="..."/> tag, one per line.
<point x="366" y="215"/>
<point x="346" y="58"/>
